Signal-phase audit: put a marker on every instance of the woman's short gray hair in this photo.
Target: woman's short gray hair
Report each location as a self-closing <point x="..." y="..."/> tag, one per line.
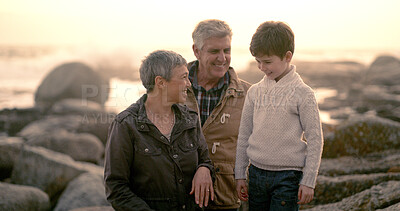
<point x="210" y="28"/>
<point x="159" y="63"/>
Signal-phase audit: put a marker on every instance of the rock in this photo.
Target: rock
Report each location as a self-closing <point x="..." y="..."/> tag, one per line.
<point x="71" y="80"/>
<point x="385" y="70"/>
<point x="85" y="191"/>
<point x="395" y="207"/>
<point x="13" y="120"/>
<point x="36" y="129"/>
<point x="377" y="197"/>
<point x="80" y="146"/>
<point x="95" y="208"/>
<point x="360" y="135"/>
<point x="76" y="106"/>
<point x="382" y="162"/>
<point x="334" y="189"/>
<point x="21" y="198"/>
<point x="9" y="150"/>
<point x="48" y="170"/>
<point x="96" y="124"/>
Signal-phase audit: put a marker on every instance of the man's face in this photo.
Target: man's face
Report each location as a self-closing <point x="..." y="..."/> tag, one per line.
<point x="215" y="57"/>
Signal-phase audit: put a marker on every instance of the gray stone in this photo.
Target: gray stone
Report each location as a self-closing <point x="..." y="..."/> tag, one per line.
<point x="48" y="170"/>
<point x="385" y="70"/>
<point x="9" y="150"/>
<point x="377" y="197"/>
<point x="334" y="189"/>
<point x="21" y="198"/>
<point x="76" y="106"/>
<point x="372" y="163"/>
<point x="71" y="80"/>
<point x="81" y="146"/>
<point x="87" y="190"/>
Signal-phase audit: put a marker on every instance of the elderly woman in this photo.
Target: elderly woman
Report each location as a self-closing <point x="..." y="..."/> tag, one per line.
<point x="156" y="155"/>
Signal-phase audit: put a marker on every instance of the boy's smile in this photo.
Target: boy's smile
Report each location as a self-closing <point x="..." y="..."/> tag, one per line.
<point x="273" y="66"/>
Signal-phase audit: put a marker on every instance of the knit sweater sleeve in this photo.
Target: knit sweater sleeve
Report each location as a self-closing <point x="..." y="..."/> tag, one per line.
<point x="245" y="130"/>
<point x="311" y="124"/>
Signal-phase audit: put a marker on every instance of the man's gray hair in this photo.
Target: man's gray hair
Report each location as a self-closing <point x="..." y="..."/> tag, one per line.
<point x="159" y="63"/>
<point x="210" y="28"/>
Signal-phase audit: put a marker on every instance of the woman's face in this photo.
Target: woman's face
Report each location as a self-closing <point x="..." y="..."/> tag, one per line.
<point x="178" y="84"/>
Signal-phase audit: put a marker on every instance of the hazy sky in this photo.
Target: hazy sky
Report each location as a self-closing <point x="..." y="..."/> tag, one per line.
<point x="150" y="24"/>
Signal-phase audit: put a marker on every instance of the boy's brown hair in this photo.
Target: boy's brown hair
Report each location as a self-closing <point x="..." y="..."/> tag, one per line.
<point x="272" y="38"/>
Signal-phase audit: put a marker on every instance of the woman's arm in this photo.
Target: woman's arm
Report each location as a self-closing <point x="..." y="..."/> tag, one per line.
<point x="117" y="164"/>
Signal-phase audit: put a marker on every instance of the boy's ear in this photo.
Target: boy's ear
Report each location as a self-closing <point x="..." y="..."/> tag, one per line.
<point x="288" y="56"/>
<point x="196" y="51"/>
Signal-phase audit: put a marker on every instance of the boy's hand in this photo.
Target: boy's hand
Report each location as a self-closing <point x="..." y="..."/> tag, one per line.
<point x="305" y="195"/>
<point x="241" y="189"/>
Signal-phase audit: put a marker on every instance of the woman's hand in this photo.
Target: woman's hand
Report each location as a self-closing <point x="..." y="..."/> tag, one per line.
<point x="241" y="189"/>
<point x="202" y="186"/>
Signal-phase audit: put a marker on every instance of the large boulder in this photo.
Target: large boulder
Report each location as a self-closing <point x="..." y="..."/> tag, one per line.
<point x="85" y="191"/>
<point x="72" y="80"/>
<point x="385" y="70"/>
<point x="80" y="146"/>
<point x="361" y="135"/>
<point x="21" y="198"/>
<point x="377" y="197"/>
<point x="9" y="150"/>
<point x="48" y="170"/>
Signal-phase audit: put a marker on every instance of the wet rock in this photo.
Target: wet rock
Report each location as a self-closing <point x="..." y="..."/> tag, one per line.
<point x="395" y="207"/>
<point x="80" y="146"/>
<point x="85" y="191"/>
<point x="21" y="198"/>
<point x="71" y="80"/>
<point x="377" y="197"/>
<point x="48" y="170"/>
<point x="334" y="189"/>
<point x="9" y="150"/>
<point x="361" y="135"/>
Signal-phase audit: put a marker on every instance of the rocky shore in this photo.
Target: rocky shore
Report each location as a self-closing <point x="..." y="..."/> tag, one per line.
<point x="51" y="155"/>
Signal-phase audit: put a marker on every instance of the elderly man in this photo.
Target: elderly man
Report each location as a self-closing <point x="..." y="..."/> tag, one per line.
<point x="218" y="95"/>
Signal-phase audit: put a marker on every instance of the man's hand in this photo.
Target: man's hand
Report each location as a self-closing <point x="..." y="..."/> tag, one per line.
<point x="305" y="195"/>
<point x="202" y="186"/>
<point x="241" y="189"/>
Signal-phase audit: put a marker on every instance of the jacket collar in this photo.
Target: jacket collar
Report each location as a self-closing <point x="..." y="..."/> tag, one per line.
<point x="183" y="119"/>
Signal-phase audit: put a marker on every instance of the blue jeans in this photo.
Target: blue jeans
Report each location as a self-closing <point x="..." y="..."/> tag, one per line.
<point x="273" y="190"/>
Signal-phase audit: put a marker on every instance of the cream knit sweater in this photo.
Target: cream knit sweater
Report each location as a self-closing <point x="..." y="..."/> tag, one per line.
<point x="275" y="117"/>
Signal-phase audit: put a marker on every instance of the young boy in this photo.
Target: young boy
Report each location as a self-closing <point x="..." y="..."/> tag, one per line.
<point x="278" y="111"/>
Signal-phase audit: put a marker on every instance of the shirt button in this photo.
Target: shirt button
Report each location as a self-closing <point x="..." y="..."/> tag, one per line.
<point x="146" y="150"/>
<point x="283" y="203"/>
<point x="183" y="207"/>
<point x="175" y="156"/>
<point x="180" y="181"/>
<point x="141" y="126"/>
<point x="191" y="145"/>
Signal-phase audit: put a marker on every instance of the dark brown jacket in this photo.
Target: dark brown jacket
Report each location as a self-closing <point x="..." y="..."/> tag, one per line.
<point x="221" y="131"/>
<point x="143" y="170"/>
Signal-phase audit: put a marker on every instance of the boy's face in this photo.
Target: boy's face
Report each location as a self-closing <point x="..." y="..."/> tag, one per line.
<point x="273" y="66"/>
<point x="215" y="56"/>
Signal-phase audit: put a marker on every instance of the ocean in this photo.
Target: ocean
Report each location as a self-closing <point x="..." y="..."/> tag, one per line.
<point x="23" y="68"/>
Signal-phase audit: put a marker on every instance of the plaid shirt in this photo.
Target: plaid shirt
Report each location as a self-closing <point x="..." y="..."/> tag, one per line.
<point x="207" y="100"/>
